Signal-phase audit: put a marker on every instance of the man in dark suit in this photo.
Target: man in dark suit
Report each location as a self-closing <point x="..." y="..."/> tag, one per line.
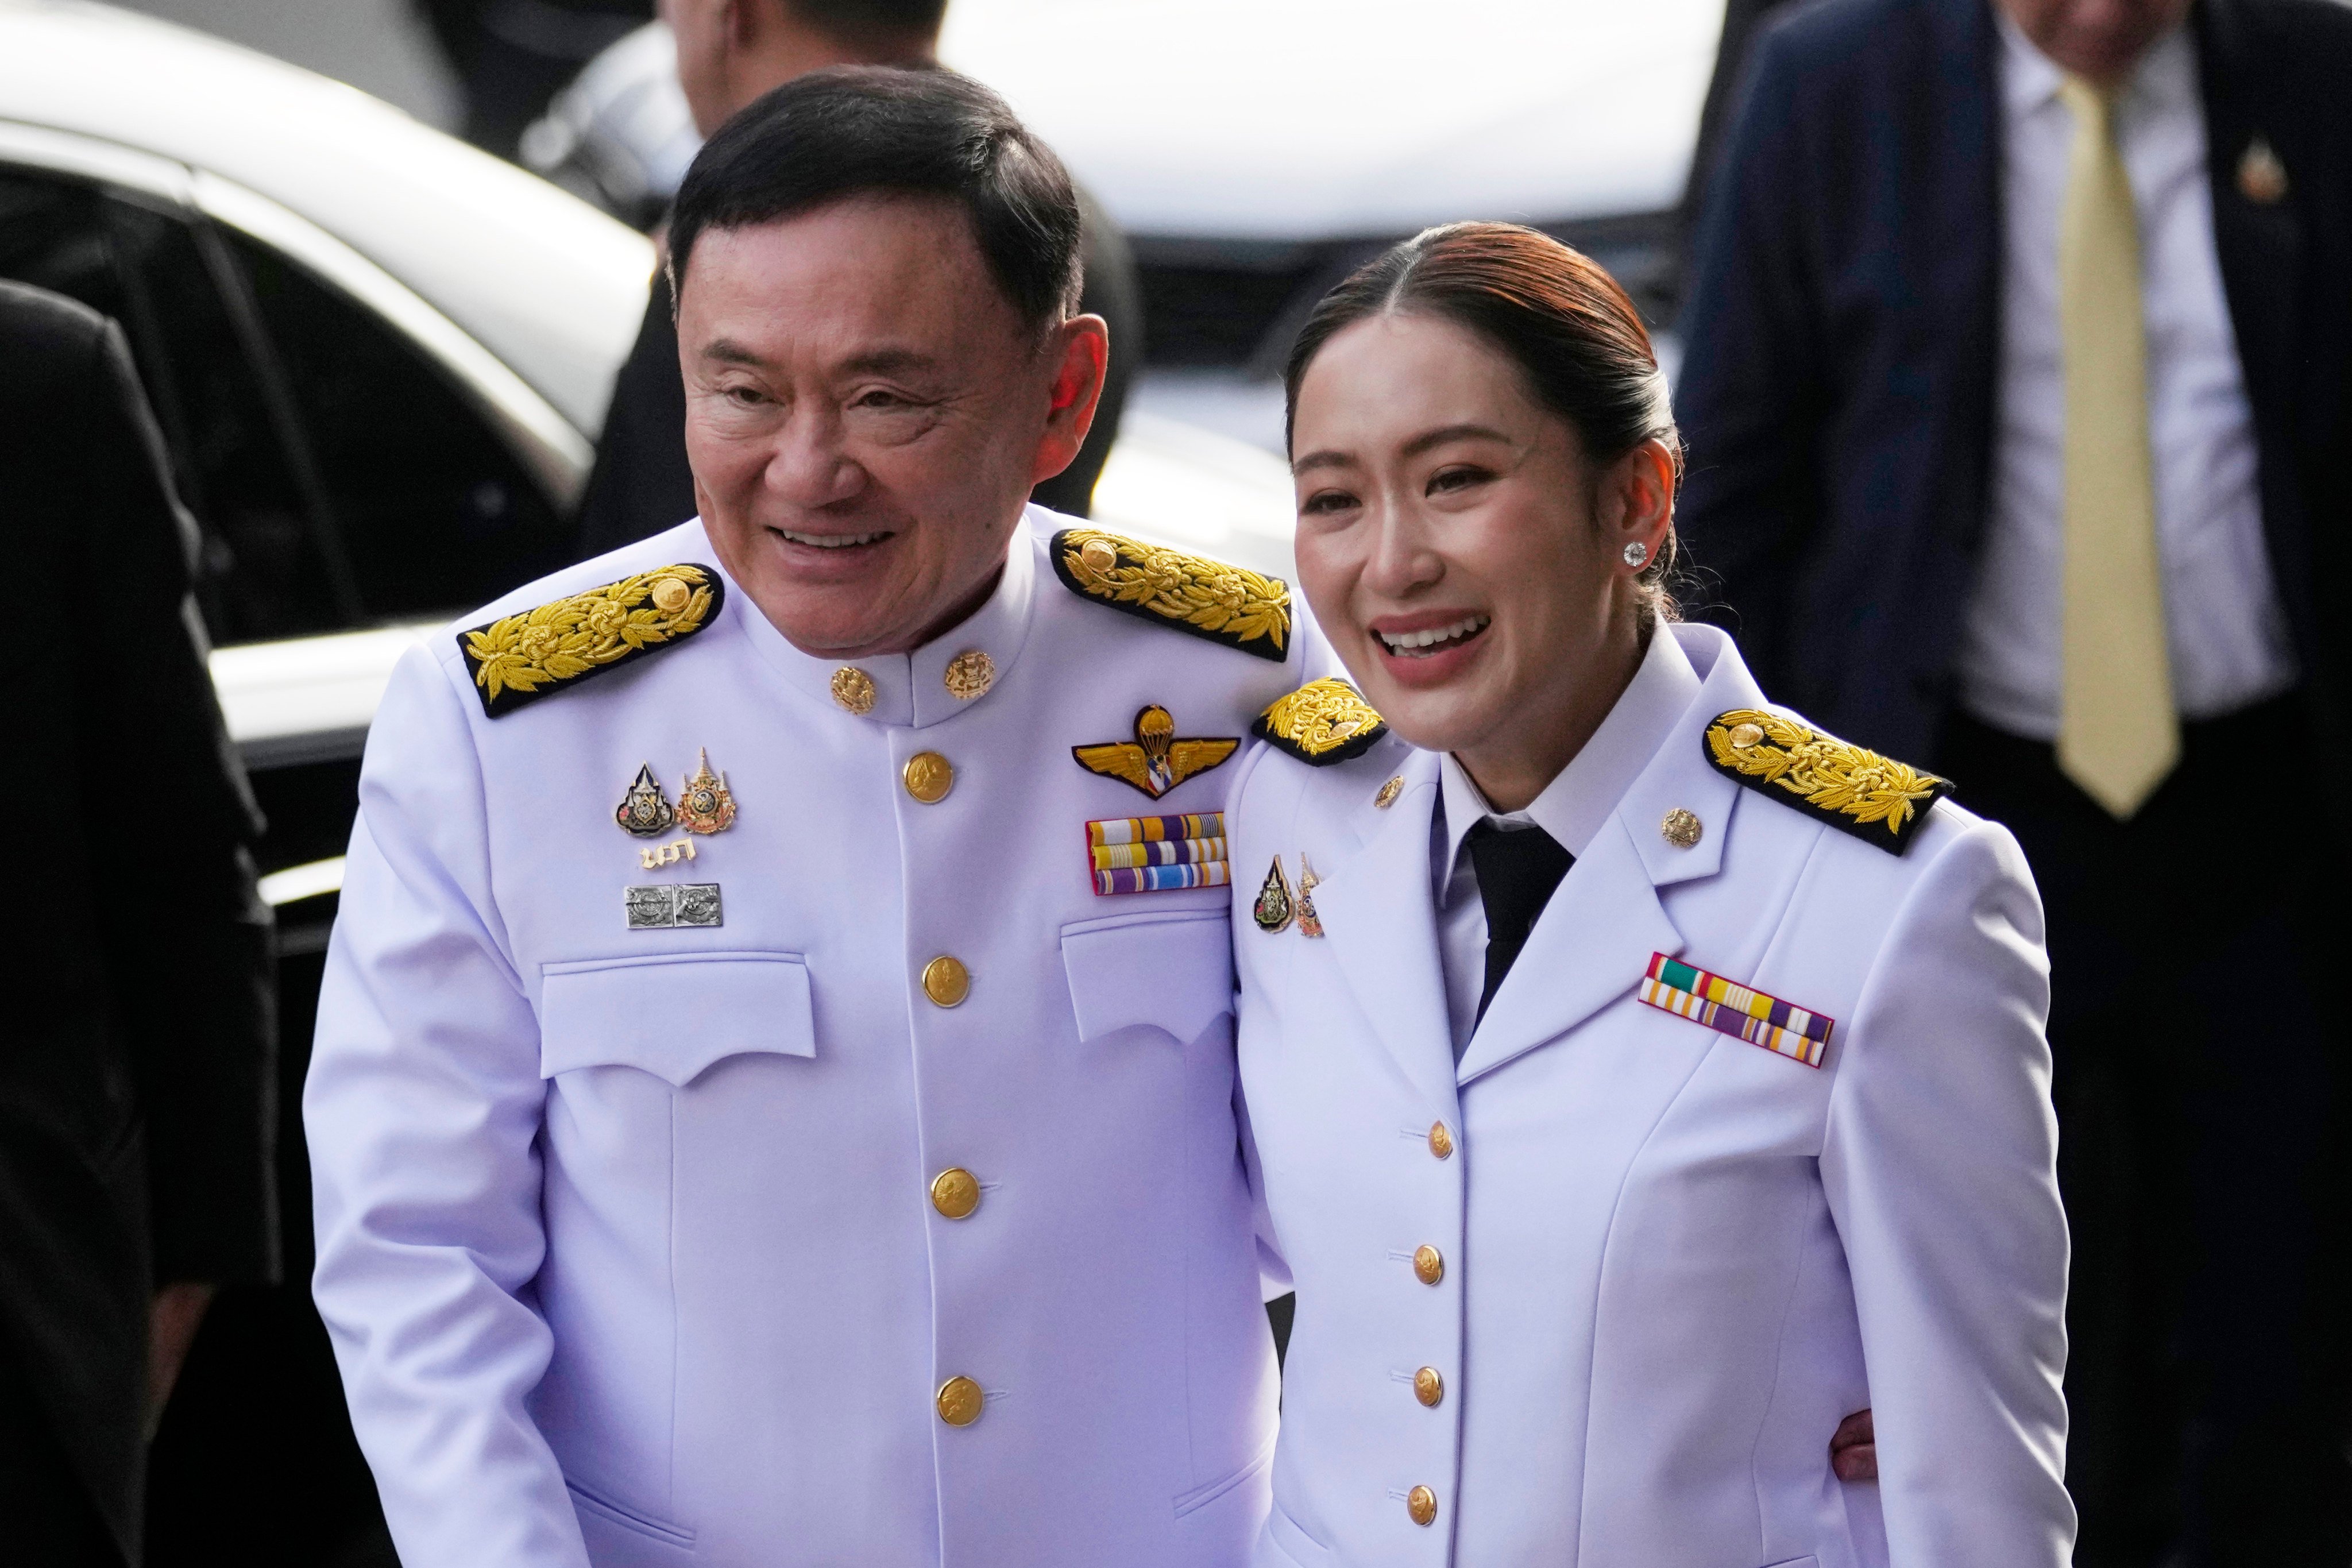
<point x="728" y="53"/>
<point x="135" y="1079"/>
<point x="2019" y="392"/>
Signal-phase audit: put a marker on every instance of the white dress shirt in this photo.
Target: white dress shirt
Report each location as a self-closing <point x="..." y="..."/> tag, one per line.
<point x="2227" y="634"/>
<point x="1571" y="808"/>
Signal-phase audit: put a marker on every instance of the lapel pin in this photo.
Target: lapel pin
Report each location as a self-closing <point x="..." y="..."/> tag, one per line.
<point x="968" y="674"/>
<point x="1156" y="761"/>
<point x="1387" y="797"/>
<point x="644" y="811"/>
<point x="1682" y="829"/>
<point x="705" y="804"/>
<point x="1274" y="909"/>
<point x="2262" y="178"/>
<point x="1310" y="922"/>
<point x="654" y="857"/>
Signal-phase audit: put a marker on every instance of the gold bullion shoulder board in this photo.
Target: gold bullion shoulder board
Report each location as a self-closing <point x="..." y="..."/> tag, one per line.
<point x="1322" y="722"/>
<point x="518" y="660"/>
<point x="1189" y="592"/>
<point x="1875" y="798"/>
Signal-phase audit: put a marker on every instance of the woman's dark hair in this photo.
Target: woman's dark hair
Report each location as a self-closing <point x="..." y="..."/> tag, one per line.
<point x="1554" y="311"/>
<point x="858" y="129"/>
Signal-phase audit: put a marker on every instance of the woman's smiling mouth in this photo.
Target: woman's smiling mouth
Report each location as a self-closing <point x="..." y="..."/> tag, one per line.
<point x="1427" y="641"/>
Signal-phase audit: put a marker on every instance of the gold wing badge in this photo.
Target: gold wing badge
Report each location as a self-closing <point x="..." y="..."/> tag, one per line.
<point x="1155" y="762"/>
<point x="1874" y="798"/>
<point x="518" y="660"/>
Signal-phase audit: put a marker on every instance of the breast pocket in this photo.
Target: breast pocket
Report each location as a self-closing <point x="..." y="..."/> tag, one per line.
<point x="1171" y="971"/>
<point x="673" y="1014"/>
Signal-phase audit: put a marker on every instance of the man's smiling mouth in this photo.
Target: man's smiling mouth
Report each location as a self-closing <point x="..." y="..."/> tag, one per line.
<point x="1435" y="639"/>
<point x="830" y="541"/>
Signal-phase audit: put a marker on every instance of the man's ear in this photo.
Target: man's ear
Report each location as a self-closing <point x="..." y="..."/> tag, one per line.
<point x="1080" y="348"/>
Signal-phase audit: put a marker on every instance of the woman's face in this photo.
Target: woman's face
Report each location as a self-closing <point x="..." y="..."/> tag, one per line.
<point x="1464" y="559"/>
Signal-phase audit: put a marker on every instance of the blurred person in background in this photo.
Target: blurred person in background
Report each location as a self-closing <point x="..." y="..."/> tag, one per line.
<point x="511" y="55"/>
<point x="731" y="52"/>
<point x="2019" y="388"/>
<point x="135" y="1087"/>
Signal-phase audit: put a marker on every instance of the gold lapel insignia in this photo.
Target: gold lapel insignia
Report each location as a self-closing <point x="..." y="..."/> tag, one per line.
<point x="1190" y="593"/>
<point x="1389" y="791"/>
<point x="1310" y="922"/>
<point x="1155" y="762"/>
<point x="2262" y="178"/>
<point x="518" y="660"/>
<point x="1322" y="722"/>
<point x="1274" y="907"/>
<point x="1855" y="791"/>
<point x="968" y="674"/>
<point x="644" y="811"/>
<point x="704" y="804"/>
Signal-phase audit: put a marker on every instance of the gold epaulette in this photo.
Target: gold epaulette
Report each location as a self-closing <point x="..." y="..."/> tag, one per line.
<point x="518" y="660"/>
<point x="1875" y="798"/>
<point x="1322" y="722"/>
<point x="1188" y="593"/>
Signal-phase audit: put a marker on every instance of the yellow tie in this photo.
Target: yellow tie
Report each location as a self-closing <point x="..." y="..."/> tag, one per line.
<point x="2118" y="735"/>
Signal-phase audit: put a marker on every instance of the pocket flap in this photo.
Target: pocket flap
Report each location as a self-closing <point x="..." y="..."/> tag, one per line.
<point x="673" y="1014"/>
<point x="1172" y="972"/>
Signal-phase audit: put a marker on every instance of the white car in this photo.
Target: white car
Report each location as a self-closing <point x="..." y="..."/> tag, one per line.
<point x="381" y="360"/>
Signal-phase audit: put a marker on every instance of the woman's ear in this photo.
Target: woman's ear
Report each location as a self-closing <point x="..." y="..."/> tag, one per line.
<point x="1636" y="503"/>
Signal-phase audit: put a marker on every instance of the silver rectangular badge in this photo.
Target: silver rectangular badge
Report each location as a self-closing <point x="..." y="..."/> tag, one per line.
<point x="665" y="906"/>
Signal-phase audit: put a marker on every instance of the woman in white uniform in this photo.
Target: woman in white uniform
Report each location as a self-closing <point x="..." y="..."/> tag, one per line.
<point x="1642" y="1082"/>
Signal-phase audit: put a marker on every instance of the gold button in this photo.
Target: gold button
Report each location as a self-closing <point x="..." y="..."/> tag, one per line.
<point x="1746" y="734"/>
<point x="1429" y="1387"/>
<point x="1441" y="1142"/>
<point x="1428" y="1265"/>
<point x="1682" y="829"/>
<point x="1421" y="1503"/>
<point x="854" y="689"/>
<point x="928" y="777"/>
<point x="955" y="1191"/>
<point x="947" y="981"/>
<point x="671" y="594"/>
<point x="968" y="674"/>
<point x="959" y="1400"/>
<point x="1098" y="556"/>
<point x="1387" y="797"/>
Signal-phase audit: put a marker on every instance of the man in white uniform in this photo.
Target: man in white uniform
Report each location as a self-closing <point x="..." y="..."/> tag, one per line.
<point x="773" y="1092"/>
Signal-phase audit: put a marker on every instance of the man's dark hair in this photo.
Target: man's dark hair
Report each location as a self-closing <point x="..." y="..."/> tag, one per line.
<point x="871" y="21"/>
<point x="859" y="128"/>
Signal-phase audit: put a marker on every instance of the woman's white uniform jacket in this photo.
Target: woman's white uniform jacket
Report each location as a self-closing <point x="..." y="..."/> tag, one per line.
<point x="1666" y="1259"/>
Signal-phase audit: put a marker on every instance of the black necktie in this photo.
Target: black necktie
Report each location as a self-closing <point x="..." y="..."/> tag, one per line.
<point x="1517" y="869"/>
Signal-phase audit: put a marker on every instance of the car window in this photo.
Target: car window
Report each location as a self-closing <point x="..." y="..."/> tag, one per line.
<point x="437" y="512"/>
<point x="338" y="477"/>
<point x="262" y="572"/>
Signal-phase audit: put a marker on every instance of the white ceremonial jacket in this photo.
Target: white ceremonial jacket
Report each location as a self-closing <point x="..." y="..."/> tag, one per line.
<point x="627" y="1239"/>
<point x="1668" y="1262"/>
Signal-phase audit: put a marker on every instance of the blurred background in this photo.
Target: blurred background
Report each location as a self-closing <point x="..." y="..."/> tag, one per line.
<point x="380" y="263"/>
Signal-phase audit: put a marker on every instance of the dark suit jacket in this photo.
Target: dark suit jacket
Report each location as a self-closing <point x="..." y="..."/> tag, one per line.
<point x="1842" y="333"/>
<point x="642" y="485"/>
<point x="137" y="1064"/>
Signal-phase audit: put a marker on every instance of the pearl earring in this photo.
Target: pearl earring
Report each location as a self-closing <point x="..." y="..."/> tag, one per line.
<point x="1636" y="553"/>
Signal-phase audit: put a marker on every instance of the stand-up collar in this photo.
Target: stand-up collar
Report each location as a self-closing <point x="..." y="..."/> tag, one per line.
<point x="1584" y="795"/>
<point x="938" y="681"/>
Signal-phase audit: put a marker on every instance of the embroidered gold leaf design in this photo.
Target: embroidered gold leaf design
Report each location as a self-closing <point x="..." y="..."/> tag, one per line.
<point x="1826" y="773"/>
<point x="1231" y="603"/>
<point x="571" y="636"/>
<point x="1320" y="718"/>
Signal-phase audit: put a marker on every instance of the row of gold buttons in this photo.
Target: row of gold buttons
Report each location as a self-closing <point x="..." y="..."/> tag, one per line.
<point x="1429" y="1383"/>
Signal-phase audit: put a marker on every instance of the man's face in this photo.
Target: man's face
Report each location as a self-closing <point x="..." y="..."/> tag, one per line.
<point x="2100" y="40"/>
<point x="866" y="414"/>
